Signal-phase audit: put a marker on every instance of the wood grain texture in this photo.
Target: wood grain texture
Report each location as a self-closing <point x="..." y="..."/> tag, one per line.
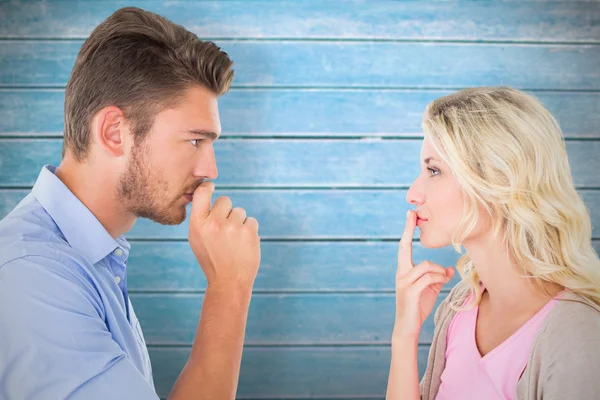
<point x="350" y="64"/>
<point x="345" y="75"/>
<point x="292" y="267"/>
<point x="280" y="318"/>
<point x="573" y="21"/>
<point x="303" y="112"/>
<point x="291" y="163"/>
<point x="309" y="214"/>
<point x="357" y="372"/>
<point x="285" y="266"/>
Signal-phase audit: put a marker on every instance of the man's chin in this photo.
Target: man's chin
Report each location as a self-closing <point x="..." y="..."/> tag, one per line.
<point x="172" y="218"/>
<point x="178" y="221"/>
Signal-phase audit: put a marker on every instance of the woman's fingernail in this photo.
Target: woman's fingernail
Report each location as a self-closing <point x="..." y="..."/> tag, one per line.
<point x="408" y="214"/>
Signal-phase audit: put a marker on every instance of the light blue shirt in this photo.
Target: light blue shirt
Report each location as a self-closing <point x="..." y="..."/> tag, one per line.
<point x="67" y="328"/>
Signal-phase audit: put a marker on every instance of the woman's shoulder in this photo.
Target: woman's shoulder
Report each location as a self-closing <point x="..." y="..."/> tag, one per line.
<point x="572" y="317"/>
<point x="573" y="325"/>
<point x="566" y="356"/>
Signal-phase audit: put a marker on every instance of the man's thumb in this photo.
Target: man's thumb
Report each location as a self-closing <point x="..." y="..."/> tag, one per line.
<point x="202" y="200"/>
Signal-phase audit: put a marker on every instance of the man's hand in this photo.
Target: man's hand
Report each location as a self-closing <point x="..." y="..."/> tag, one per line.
<point x="224" y="241"/>
<point x="227" y="246"/>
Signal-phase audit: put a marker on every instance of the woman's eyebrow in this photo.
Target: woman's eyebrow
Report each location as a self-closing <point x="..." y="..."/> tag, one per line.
<point x="429" y="160"/>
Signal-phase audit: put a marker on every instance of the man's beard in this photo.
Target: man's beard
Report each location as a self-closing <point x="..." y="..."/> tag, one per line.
<point x="144" y="191"/>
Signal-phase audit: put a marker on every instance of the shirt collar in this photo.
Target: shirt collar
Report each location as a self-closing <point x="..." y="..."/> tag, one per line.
<point x="79" y="225"/>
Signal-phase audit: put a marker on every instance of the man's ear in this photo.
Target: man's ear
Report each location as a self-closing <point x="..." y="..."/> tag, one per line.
<point x="110" y="129"/>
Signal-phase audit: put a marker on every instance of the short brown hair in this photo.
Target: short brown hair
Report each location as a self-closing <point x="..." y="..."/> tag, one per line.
<point x="142" y="63"/>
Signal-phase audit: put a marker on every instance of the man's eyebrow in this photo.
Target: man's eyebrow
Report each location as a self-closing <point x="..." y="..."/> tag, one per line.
<point x="204" y="133"/>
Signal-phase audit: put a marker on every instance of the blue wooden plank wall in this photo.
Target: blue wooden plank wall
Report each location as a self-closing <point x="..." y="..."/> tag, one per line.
<point x="321" y="141"/>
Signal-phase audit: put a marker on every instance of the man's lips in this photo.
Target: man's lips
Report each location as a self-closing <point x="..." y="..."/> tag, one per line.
<point x="189" y="195"/>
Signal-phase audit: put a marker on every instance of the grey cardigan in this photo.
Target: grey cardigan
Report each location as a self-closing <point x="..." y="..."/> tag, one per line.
<point x="564" y="363"/>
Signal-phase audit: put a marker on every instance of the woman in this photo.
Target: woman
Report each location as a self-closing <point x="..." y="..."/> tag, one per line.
<point x="524" y="322"/>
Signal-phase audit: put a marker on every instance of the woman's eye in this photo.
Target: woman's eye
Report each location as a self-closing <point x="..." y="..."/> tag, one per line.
<point x="433" y="171"/>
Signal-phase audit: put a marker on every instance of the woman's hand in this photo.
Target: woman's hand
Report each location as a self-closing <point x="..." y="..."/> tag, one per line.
<point x="417" y="287"/>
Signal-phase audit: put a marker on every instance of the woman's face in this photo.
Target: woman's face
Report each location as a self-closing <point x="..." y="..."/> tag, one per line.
<point x="439" y="201"/>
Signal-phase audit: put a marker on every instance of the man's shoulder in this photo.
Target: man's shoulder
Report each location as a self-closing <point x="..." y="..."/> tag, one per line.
<point x="42" y="270"/>
<point x="27" y="230"/>
<point x="29" y="234"/>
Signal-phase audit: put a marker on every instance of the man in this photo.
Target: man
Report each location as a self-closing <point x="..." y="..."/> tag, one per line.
<point x="141" y="116"/>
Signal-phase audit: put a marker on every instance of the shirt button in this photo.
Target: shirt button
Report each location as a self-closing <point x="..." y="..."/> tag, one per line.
<point x="118" y="279"/>
<point x="118" y="252"/>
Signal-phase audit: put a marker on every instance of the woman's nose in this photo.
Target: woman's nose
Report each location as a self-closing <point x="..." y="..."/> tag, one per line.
<point x="415" y="195"/>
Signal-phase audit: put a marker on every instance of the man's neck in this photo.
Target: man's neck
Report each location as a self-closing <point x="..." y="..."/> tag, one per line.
<point x="97" y="191"/>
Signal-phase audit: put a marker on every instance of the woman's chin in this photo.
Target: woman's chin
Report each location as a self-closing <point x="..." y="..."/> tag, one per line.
<point x="433" y="243"/>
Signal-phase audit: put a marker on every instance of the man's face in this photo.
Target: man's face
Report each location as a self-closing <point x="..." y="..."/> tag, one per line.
<point x="172" y="160"/>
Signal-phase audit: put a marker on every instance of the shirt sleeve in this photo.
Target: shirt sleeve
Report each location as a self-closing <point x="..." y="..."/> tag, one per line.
<point x="54" y="342"/>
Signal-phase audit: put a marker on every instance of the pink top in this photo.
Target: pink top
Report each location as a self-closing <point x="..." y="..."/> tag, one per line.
<point x="467" y="375"/>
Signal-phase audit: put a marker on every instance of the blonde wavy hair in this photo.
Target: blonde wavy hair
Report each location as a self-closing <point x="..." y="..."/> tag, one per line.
<point x="508" y="155"/>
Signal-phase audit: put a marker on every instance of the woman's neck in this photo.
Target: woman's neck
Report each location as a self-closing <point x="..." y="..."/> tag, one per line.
<point x="509" y="292"/>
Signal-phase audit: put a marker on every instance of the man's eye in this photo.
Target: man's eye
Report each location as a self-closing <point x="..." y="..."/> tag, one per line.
<point x="195" y="142"/>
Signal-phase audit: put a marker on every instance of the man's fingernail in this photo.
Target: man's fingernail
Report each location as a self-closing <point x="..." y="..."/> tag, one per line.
<point x="408" y="214"/>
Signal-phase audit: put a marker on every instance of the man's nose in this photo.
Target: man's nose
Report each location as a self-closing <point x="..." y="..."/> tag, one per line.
<point x="207" y="165"/>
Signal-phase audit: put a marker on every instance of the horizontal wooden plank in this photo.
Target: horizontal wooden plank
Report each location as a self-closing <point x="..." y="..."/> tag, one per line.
<point x="451" y="20"/>
<point x="296" y="372"/>
<point x="285" y="266"/>
<point x="308" y="214"/>
<point x="264" y="112"/>
<point x="297" y="162"/>
<point x="350" y="64"/>
<point x="272" y="162"/>
<point x="281" y="319"/>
